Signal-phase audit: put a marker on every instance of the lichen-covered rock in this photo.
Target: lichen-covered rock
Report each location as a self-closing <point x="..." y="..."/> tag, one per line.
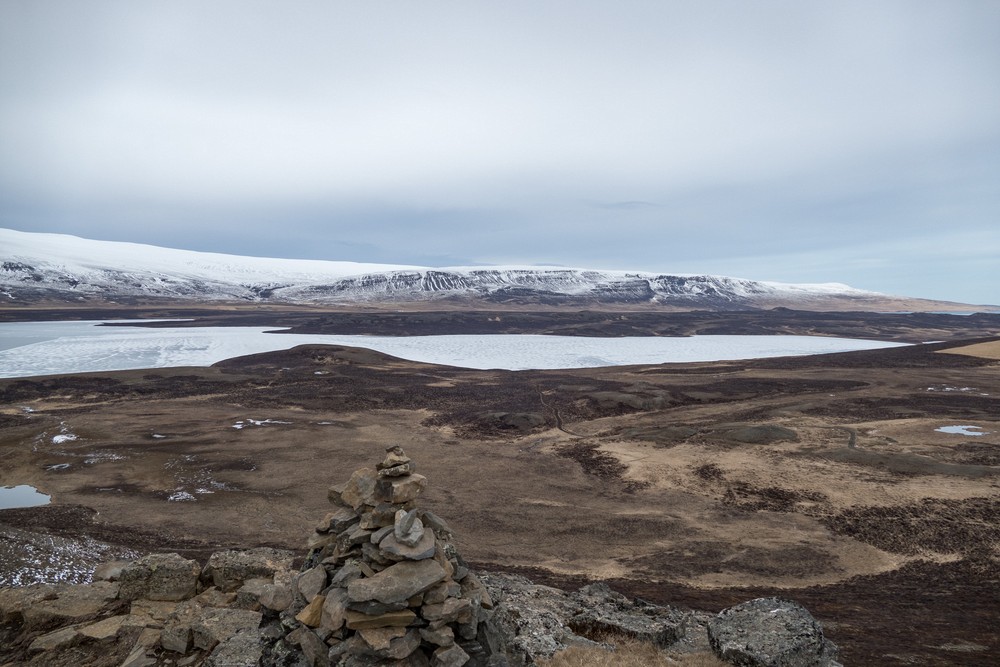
<point x="229" y="570"/>
<point x="770" y="632"/>
<point x="160" y="577"/>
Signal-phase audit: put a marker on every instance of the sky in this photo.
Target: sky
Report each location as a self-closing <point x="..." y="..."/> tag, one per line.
<point x="795" y="141"/>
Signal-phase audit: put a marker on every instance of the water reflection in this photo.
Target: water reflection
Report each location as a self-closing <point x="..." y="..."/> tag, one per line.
<point x="22" y="496"/>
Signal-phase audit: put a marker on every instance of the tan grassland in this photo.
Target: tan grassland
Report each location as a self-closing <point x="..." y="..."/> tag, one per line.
<point x="822" y="479"/>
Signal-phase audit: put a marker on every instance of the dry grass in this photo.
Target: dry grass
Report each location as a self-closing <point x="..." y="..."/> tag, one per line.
<point x="629" y="653"/>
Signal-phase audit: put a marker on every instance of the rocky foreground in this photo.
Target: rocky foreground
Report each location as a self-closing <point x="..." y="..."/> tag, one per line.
<point x="381" y="584"/>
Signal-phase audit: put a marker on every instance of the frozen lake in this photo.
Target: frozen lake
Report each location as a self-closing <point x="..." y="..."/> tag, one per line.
<point x="47" y="348"/>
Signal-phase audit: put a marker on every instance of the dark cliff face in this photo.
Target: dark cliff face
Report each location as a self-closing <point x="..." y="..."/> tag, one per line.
<point x="541" y="286"/>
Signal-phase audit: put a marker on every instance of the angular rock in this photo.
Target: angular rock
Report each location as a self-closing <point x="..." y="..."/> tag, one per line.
<point x="248" y="596"/>
<point x="160" y="577"/>
<point x="401" y="647"/>
<point x="240" y="650"/>
<point x="311" y="582"/>
<point x="54" y="640"/>
<point x="13" y="601"/>
<point x="443" y="636"/>
<point x="452" y="610"/>
<point x="394" y="457"/>
<point x="603" y="611"/>
<point x="407" y="528"/>
<point x="394" y="549"/>
<point x="315" y="649"/>
<point x="333" y="494"/>
<point x="770" y="632"/>
<point x="397" y="490"/>
<point x="441" y="592"/>
<point x="360" y="489"/>
<point x="337" y="520"/>
<point x="108" y="627"/>
<point x="110" y="571"/>
<point x="176" y="633"/>
<point x="276" y="597"/>
<point x="346" y="574"/>
<point x="144" y="643"/>
<point x="373" y="608"/>
<point x="334" y="612"/>
<point x="217" y="625"/>
<point x="154" y="612"/>
<point x="228" y="570"/>
<point x="450" y="656"/>
<point x="397" y="471"/>
<point x="358" y="621"/>
<point x="213" y="597"/>
<point x="437" y="524"/>
<point x="73" y="604"/>
<point x="312" y="615"/>
<point x="353" y="536"/>
<point x="378" y="639"/>
<point x="380" y="534"/>
<point x="398" y="582"/>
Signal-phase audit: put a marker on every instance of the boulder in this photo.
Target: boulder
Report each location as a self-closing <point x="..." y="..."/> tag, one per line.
<point x="217" y="625"/>
<point x="160" y="577"/>
<point x="240" y="650"/>
<point x="110" y="571"/>
<point x="276" y="597"/>
<point x="72" y="604"/>
<point x="770" y="632"/>
<point x="228" y="570"/>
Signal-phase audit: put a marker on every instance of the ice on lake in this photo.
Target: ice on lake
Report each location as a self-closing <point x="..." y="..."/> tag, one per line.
<point x="32" y="348"/>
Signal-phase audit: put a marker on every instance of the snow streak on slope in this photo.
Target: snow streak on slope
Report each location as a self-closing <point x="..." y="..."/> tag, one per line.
<point x="36" y="267"/>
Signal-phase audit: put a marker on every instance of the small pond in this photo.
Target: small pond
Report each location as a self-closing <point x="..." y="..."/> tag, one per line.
<point x="22" y="496"/>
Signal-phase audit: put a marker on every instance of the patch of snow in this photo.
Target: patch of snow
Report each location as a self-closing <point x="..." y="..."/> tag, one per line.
<point x="257" y="422"/>
<point x="157" y="436"/>
<point x="963" y="430"/>
<point x="180" y="497"/>
<point x="57" y="466"/>
<point x="63" y="437"/>
<point x="103" y="457"/>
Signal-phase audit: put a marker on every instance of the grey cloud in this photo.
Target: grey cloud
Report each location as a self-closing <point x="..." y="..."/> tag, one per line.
<point x="639" y="134"/>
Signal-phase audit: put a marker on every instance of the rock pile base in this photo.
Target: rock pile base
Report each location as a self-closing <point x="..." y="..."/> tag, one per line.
<point x="383" y="584"/>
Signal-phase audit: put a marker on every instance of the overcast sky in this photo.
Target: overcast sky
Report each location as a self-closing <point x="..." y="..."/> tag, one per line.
<point x="799" y="141"/>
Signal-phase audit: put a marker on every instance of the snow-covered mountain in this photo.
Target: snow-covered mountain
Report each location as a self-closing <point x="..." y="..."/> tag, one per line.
<point x="56" y="268"/>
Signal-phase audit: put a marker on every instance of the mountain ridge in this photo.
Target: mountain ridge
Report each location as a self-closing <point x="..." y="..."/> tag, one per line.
<point x="45" y="268"/>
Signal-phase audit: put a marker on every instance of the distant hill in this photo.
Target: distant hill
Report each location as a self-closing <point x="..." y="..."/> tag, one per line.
<point x="60" y="269"/>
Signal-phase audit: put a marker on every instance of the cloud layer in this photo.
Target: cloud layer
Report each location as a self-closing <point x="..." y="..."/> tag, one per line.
<point x="852" y="142"/>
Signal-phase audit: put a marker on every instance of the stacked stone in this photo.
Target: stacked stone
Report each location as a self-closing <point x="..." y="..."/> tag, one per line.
<point x="383" y="583"/>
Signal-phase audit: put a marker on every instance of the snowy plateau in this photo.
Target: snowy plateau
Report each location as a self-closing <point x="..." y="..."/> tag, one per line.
<point x="37" y="268"/>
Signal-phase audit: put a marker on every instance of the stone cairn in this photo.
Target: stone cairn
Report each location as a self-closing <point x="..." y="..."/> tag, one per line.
<point x="382" y="583"/>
